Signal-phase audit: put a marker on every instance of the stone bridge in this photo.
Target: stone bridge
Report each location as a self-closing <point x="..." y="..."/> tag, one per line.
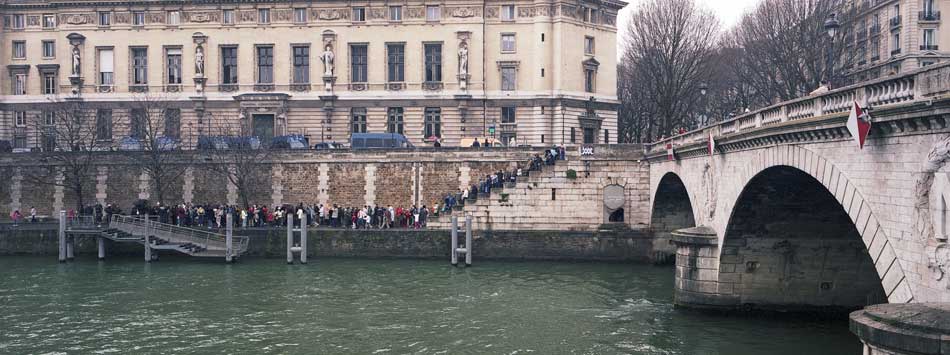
<point x="790" y="213"/>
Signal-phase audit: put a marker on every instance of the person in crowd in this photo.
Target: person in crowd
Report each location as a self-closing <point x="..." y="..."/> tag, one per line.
<point x="32" y="214"/>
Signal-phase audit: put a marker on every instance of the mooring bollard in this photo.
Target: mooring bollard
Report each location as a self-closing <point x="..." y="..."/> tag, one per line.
<point x="467" y="250"/>
<point x="229" y="237"/>
<point x="101" y="246"/>
<point x="62" y="236"/>
<point x="148" y="242"/>
<point x="290" y="239"/>
<point x="303" y="241"/>
<point x="70" y="247"/>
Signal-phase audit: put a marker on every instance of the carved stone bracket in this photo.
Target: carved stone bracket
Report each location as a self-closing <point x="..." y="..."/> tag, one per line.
<point x="358" y="87"/>
<point x="432" y="86"/>
<point x="328" y="82"/>
<point x="395" y="86"/>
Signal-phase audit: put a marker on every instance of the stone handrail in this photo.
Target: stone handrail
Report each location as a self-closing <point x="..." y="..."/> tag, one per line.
<point x="919" y="85"/>
<point x="137" y="225"/>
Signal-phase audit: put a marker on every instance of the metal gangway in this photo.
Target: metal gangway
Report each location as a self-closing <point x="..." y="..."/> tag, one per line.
<point x="153" y="235"/>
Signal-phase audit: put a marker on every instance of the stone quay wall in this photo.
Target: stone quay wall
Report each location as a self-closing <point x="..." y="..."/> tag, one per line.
<point x="612" y="246"/>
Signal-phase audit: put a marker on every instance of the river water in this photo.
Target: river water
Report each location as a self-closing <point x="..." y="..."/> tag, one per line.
<point x="263" y="306"/>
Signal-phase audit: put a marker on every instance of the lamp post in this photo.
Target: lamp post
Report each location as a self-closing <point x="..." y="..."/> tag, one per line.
<point x="703" y="88"/>
<point x="831" y="25"/>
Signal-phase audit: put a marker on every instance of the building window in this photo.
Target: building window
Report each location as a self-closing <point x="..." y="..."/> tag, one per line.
<point x="573" y="136"/>
<point x="19" y="49"/>
<point x="588" y="45"/>
<point x="394" y="121"/>
<point x="263" y="15"/>
<point x="173" y="18"/>
<point x="433" y="122"/>
<point x="508" y="42"/>
<point x="507" y="115"/>
<point x="358" y="119"/>
<point x="49" y="118"/>
<point x="138" y="18"/>
<point x="300" y="15"/>
<point x="19" y="84"/>
<point x="508" y="78"/>
<point x="433" y="13"/>
<point x="105" y="18"/>
<point x="359" y="14"/>
<point x="589" y="135"/>
<point x="49" y="49"/>
<point x="395" y="56"/>
<point x="896" y="43"/>
<point x="395" y="13"/>
<point x="104" y="125"/>
<point x="229" y="65"/>
<point x="173" y="123"/>
<point x="265" y="65"/>
<point x="227" y="17"/>
<point x="606" y="136"/>
<point x="508" y="12"/>
<point x="106" y="67"/>
<point x="19" y="22"/>
<point x="929" y="41"/>
<point x="49" y="83"/>
<point x="433" y="62"/>
<point x="173" y="65"/>
<point x="49" y="21"/>
<point x="139" y="66"/>
<point x="589" y="75"/>
<point x="19" y="118"/>
<point x="358" y="63"/>
<point x="136" y="123"/>
<point x="301" y="64"/>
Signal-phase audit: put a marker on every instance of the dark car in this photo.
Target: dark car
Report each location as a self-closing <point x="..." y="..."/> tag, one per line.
<point x="327" y="146"/>
<point x="293" y="141"/>
<point x="378" y="140"/>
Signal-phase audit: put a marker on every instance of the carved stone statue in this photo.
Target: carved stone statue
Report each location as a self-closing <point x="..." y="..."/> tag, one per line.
<point x="327" y="58"/>
<point x="463" y="59"/>
<point x="76" y="61"/>
<point x="199" y="61"/>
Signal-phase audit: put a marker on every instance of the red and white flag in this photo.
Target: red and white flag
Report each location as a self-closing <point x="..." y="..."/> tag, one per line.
<point x="712" y="144"/>
<point x="670" y="155"/>
<point x="859" y="124"/>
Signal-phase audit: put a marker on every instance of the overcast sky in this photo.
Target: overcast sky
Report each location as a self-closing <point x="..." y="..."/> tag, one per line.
<point x="728" y="12"/>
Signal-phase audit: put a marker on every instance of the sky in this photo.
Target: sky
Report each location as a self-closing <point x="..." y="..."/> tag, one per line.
<point x="728" y="11"/>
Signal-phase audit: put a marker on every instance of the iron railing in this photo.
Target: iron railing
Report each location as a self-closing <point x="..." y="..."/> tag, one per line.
<point x="174" y="234"/>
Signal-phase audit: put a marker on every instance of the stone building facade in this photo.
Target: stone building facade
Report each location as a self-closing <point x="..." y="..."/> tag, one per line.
<point x="528" y="72"/>
<point x="888" y="37"/>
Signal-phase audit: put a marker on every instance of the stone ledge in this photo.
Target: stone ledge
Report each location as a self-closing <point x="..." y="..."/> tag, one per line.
<point x="919" y="328"/>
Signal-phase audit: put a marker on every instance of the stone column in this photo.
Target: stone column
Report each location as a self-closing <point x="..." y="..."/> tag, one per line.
<point x="697" y="270"/>
<point x="903" y="328"/>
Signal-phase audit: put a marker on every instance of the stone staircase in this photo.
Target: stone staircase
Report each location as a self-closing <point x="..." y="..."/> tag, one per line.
<point x="529" y="203"/>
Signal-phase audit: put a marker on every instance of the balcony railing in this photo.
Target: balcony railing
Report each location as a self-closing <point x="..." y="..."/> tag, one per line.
<point x="895" y="21"/>
<point x="928" y="16"/>
<point x="895" y="52"/>
<point x="874" y="30"/>
<point x="928" y="47"/>
<point x="862" y="35"/>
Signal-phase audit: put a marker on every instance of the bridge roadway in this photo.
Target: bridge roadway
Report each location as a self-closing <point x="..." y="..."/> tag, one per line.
<point x="795" y="215"/>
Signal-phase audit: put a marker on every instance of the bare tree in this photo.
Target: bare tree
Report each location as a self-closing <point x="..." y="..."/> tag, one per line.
<point x="668" y="53"/>
<point x="154" y="142"/>
<point x="785" y="48"/>
<point x="239" y="157"/>
<point x="70" y="138"/>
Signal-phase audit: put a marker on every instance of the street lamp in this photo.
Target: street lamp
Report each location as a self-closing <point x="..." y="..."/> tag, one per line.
<point x="703" y="88"/>
<point x="831" y="25"/>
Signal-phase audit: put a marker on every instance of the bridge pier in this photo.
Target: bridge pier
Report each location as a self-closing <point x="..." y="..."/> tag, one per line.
<point x="903" y="329"/>
<point x="697" y="283"/>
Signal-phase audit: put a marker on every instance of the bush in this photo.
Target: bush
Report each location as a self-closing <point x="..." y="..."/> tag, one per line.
<point x="571" y="174"/>
<point x="504" y="197"/>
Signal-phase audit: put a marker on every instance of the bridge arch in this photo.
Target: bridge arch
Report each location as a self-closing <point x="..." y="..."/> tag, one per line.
<point x="841" y="205"/>
<point x="671" y="209"/>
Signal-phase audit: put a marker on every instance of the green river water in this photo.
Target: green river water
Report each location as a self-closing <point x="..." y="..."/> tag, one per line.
<point x="344" y="306"/>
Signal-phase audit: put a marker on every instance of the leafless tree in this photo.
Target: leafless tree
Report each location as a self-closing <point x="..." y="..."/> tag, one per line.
<point x="666" y="58"/>
<point x="70" y="139"/>
<point x="785" y="48"/>
<point x="154" y="142"/>
<point x="245" y="161"/>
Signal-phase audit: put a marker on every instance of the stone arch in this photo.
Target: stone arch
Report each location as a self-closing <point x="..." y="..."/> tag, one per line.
<point x="671" y="209"/>
<point x="849" y="198"/>
<point x="615" y="200"/>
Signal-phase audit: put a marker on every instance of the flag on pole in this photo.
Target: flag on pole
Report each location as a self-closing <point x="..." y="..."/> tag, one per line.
<point x="859" y="124"/>
<point x="670" y="155"/>
<point x="711" y="144"/>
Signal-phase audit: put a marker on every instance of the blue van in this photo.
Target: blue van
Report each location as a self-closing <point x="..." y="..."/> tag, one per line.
<point x="378" y="140"/>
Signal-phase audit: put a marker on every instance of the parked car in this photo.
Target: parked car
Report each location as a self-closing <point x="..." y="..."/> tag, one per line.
<point x="130" y="143"/>
<point x="244" y="142"/>
<point x="167" y="143"/>
<point x="327" y="146"/>
<point x="293" y="141"/>
<point x="378" y="140"/>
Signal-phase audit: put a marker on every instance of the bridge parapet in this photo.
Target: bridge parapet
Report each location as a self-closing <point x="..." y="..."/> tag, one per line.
<point x="919" y="87"/>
